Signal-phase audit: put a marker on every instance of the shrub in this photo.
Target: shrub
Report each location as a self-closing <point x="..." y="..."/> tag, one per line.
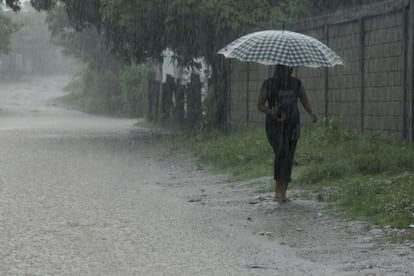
<point x="386" y="200"/>
<point x="133" y="87"/>
<point x="102" y="93"/>
<point x="322" y="171"/>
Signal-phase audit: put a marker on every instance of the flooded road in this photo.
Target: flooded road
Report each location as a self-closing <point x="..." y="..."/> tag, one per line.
<point x="88" y="195"/>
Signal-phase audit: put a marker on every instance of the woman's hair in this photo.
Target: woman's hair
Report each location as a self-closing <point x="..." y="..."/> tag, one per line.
<point x="280" y="66"/>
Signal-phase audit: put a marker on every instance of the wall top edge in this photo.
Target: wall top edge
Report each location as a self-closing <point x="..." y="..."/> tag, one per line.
<point x="351" y="14"/>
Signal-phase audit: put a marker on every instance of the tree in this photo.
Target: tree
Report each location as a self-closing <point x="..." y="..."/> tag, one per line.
<point x="85" y="44"/>
<point x="136" y="30"/>
<point x="7" y="28"/>
<point x="13" y="4"/>
<point x="143" y="29"/>
<point x="140" y="29"/>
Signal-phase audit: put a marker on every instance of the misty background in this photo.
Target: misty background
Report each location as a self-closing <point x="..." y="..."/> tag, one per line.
<point x="31" y="51"/>
<point x="159" y="60"/>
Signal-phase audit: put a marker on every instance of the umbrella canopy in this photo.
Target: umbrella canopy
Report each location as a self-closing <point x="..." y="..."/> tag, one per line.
<point x="282" y="47"/>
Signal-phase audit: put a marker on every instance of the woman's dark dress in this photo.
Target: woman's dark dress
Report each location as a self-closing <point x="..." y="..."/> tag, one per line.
<point x="283" y="136"/>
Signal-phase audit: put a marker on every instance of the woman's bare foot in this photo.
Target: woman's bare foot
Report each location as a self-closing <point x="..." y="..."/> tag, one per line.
<point x="286" y="200"/>
<point x="278" y="198"/>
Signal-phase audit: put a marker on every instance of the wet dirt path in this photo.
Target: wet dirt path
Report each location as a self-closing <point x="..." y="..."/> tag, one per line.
<point x="87" y="195"/>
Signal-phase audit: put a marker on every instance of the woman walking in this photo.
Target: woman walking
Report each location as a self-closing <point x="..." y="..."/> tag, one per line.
<point x="278" y="100"/>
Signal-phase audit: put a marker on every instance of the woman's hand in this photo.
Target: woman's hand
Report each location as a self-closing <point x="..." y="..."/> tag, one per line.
<point x="273" y="112"/>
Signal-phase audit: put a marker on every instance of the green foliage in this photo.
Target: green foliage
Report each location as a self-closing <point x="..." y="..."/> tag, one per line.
<point x="133" y="87"/>
<point x="102" y="93"/>
<point x="245" y="154"/>
<point x="86" y="45"/>
<point x="95" y="92"/>
<point x="109" y="92"/>
<point x="331" y="152"/>
<point x="31" y="42"/>
<point x="13" y="4"/>
<point x="210" y="116"/>
<point x="326" y="171"/>
<point x="75" y="86"/>
<point x="383" y="200"/>
<point x="43" y="4"/>
<point x="374" y="175"/>
<point x="136" y="31"/>
<point x="7" y="28"/>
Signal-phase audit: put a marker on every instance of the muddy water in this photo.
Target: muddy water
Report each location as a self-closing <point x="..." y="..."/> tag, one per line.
<point x="88" y="195"/>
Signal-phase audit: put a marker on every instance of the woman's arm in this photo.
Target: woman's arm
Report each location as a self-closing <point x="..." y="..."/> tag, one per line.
<point x="261" y="103"/>
<point x="304" y="100"/>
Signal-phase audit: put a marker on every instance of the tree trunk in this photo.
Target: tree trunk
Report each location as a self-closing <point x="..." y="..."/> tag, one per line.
<point x="194" y="104"/>
<point x="220" y="91"/>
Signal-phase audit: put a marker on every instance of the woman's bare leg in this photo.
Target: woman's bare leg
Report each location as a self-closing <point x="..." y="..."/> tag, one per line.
<point x="278" y="192"/>
<point x="284" y="187"/>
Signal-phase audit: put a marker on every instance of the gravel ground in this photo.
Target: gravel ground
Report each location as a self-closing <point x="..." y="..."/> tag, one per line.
<point x="87" y="195"/>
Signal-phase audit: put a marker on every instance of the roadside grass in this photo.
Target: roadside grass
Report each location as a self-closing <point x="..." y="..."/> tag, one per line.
<point x="381" y="199"/>
<point x="372" y="176"/>
<point x="364" y="176"/>
<point x="74" y="98"/>
<point x="76" y="85"/>
<point x="245" y="154"/>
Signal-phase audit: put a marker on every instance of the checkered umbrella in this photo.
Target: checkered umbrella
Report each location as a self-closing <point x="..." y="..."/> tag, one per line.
<point x="282" y="47"/>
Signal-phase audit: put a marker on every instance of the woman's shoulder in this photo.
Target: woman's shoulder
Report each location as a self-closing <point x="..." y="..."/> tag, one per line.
<point x="296" y="82"/>
<point x="268" y="82"/>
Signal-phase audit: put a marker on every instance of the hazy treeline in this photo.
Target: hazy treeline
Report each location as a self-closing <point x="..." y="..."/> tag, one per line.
<point x="115" y="37"/>
<point x="30" y="51"/>
<point x="7" y="28"/>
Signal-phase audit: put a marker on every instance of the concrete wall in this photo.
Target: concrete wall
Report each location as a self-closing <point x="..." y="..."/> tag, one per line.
<point x="372" y="93"/>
